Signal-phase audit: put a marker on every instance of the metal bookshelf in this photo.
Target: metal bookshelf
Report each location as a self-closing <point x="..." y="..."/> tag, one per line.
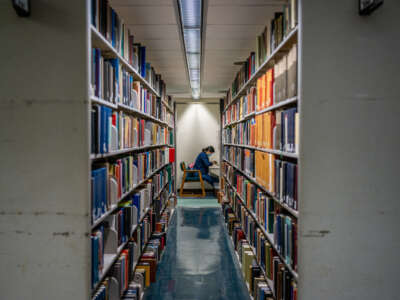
<point x="109" y="259"/>
<point x="128" y="150"/>
<point x="111" y="210"/>
<point x="283" y="103"/>
<point x="246" y="117"/>
<point x="269" y="236"/>
<point x="269" y="281"/>
<point x="272" y="151"/>
<point x="293" y="212"/>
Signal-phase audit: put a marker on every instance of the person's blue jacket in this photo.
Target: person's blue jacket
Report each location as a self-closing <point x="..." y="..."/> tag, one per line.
<point x="202" y="163"/>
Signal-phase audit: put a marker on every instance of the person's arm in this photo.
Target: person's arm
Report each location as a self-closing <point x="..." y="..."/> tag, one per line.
<point x="205" y="160"/>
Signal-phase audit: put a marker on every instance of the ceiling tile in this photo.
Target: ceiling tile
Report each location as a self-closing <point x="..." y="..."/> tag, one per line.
<point x="241" y="15"/>
<point x="147" y="14"/>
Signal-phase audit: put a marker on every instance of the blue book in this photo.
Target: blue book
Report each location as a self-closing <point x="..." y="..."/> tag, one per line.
<point x="291" y="113"/>
<point x="278" y="233"/>
<point x="142" y="52"/>
<point x="115" y="64"/>
<point x="95" y="260"/>
<point x="105" y="118"/>
<point x="288" y="240"/>
<point x="136" y="202"/>
<point x="283" y="137"/>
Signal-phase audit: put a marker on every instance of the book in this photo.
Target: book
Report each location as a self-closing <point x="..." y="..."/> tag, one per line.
<point x="116" y="130"/>
<point x="258" y="256"/>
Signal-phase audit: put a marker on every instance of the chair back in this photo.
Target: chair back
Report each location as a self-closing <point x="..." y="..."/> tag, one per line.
<point x="183" y="166"/>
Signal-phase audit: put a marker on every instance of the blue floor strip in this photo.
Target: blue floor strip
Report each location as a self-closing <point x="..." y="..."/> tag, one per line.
<point x="198" y="263"/>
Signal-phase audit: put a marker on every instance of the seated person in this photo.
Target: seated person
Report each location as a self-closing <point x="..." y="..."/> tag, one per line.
<point x="202" y="163"/>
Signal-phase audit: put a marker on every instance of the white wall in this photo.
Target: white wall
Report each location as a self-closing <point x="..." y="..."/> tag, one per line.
<point x="350" y="141"/>
<point x="198" y="126"/>
<point x="44" y="162"/>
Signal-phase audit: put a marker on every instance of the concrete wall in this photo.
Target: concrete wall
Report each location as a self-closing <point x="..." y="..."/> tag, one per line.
<point x="44" y="178"/>
<point x="350" y="141"/>
<point x="198" y="126"/>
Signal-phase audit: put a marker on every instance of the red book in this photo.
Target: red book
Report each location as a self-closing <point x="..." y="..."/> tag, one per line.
<point x="240" y="235"/>
<point x="171" y="155"/>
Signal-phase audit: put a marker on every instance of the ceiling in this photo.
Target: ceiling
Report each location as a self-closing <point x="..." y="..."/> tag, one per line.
<point x="230" y="34"/>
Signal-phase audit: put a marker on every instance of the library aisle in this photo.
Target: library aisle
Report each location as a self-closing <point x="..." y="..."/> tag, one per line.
<point x="199" y="261"/>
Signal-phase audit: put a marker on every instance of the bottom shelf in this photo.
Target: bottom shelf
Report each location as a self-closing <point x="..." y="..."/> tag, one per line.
<point x="269" y="282"/>
<point x="111" y="283"/>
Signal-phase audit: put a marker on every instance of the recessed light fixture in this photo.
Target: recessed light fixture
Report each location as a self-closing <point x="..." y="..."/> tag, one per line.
<point x="191" y="12"/>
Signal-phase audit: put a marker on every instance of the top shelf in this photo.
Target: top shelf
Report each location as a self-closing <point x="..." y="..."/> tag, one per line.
<point x="289" y="40"/>
<point x="99" y="41"/>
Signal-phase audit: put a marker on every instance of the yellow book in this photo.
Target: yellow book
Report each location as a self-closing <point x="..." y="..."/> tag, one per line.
<point x="272" y="173"/>
<point x="267" y="88"/>
<point x="146" y="268"/>
<point x="258" y="106"/>
<point x="245" y="247"/>
<point x="248" y="262"/>
<point x="258" y="130"/>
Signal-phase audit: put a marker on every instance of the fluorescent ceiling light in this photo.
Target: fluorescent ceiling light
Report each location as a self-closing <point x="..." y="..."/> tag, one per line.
<point x="194" y="74"/>
<point x="195" y="84"/>
<point x="191" y="13"/>
<point x="192" y="39"/>
<point x="191" y="20"/>
<point x="193" y="60"/>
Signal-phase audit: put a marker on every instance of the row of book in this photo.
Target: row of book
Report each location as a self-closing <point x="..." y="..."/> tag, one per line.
<point x="242" y="158"/>
<point x="254" y="199"/>
<point x="278" y="177"/>
<point x="246" y="71"/>
<point x="258" y="256"/>
<point x="242" y="108"/>
<point x="105" y="19"/>
<point x="161" y="179"/>
<point x="135" y="268"/>
<point x="279" y="82"/>
<point x="271" y="37"/>
<point x="281" y="227"/>
<point x="113" y="82"/>
<point x="277" y="130"/>
<point x="161" y="202"/>
<point x="111" y="235"/>
<point x="251" y="270"/>
<point x="283" y="231"/>
<point x="113" y="130"/>
<point x="281" y="25"/>
<point x="242" y="133"/>
<point x="111" y="180"/>
<point x="169" y="119"/>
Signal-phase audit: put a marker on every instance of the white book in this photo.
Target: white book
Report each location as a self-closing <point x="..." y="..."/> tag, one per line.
<point x="113" y="191"/>
<point x="113" y="139"/>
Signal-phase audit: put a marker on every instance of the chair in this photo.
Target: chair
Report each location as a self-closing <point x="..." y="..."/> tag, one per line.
<point x="191" y="176"/>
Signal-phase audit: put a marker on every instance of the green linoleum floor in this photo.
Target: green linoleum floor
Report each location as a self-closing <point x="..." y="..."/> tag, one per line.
<point x="198" y="262"/>
<point x="198" y="202"/>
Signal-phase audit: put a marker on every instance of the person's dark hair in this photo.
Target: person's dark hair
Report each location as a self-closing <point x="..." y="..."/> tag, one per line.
<point x="209" y="148"/>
